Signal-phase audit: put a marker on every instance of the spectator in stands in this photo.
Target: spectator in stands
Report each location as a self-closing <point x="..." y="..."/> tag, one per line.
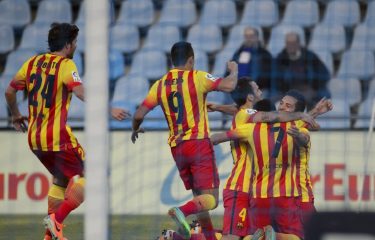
<point x="299" y="68"/>
<point x="254" y="60"/>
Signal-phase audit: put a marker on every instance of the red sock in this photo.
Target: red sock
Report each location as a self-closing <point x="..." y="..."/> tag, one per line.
<point x="207" y="228"/>
<point x="189" y="208"/>
<point x="48" y="233"/>
<point x="194" y="236"/>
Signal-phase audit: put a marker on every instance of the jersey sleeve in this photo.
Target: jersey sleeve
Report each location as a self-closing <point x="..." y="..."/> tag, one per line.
<point x="69" y="74"/>
<point x="241" y="132"/>
<point x="151" y="99"/>
<point x="206" y="81"/>
<point x="19" y="80"/>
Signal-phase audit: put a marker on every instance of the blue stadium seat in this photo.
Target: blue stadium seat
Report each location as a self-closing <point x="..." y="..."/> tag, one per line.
<point x="15" y="13"/>
<point x="221" y="60"/>
<point x="207" y="38"/>
<point x="150" y="63"/>
<point x="162" y="37"/>
<point x="155" y="120"/>
<point x="201" y="60"/>
<point x="364" y="36"/>
<point x="35" y="37"/>
<point x="327" y="59"/>
<point x="263" y="13"/>
<point x="364" y="113"/>
<point x="131" y="88"/>
<point x="50" y="11"/>
<point x="124" y="37"/>
<point x="301" y="13"/>
<point x="15" y="60"/>
<point x="137" y="12"/>
<point x="236" y="36"/>
<point x="357" y="64"/>
<point x="328" y="38"/>
<point x="348" y="90"/>
<point x="338" y="118"/>
<point x="219" y="12"/>
<point x="181" y="13"/>
<point x="215" y="120"/>
<point x="370" y="14"/>
<point x="76" y="116"/>
<point x="116" y="64"/>
<point x="6" y="39"/>
<point x="23" y="103"/>
<point x="342" y="12"/>
<point x="78" y="60"/>
<point x="277" y="39"/>
<point x="81" y="45"/>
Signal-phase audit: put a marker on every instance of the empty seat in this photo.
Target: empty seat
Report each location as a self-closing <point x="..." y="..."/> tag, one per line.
<point x="81" y="44"/>
<point x="263" y="13"/>
<point x="221" y="60"/>
<point x="201" y="60"/>
<point x="78" y="60"/>
<point x="35" y="37"/>
<point x="162" y="37"/>
<point x="236" y="36"/>
<point x="116" y="64"/>
<point x="277" y="39"/>
<point x="15" y="13"/>
<point x="364" y="38"/>
<point x="338" y="118"/>
<point x="327" y="59"/>
<point x="181" y="13"/>
<point x="301" y="13"/>
<point x="50" y="11"/>
<point x="364" y="113"/>
<point x="150" y="63"/>
<point x="371" y="90"/>
<point x="76" y="116"/>
<point x="357" y="64"/>
<point x="155" y="119"/>
<point x="219" y="12"/>
<point x="348" y="90"/>
<point x="124" y="37"/>
<point x="137" y="12"/>
<point x="207" y="38"/>
<point x="215" y="120"/>
<point x="328" y="38"/>
<point x="131" y="88"/>
<point x="370" y="14"/>
<point x="342" y="12"/>
<point x="6" y="39"/>
<point x="15" y="60"/>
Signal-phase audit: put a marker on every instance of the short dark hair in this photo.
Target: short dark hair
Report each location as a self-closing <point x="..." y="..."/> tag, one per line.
<point x="180" y="52"/>
<point x="264" y="105"/>
<point x="301" y="101"/>
<point x="242" y="90"/>
<point x="61" y="34"/>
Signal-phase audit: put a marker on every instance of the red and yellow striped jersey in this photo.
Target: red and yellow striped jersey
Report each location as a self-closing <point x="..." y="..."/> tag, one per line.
<point x="49" y="80"/>
<point x="277" y="161"/>
<point x="182" y="97"/>
<point x="239" y="178"/>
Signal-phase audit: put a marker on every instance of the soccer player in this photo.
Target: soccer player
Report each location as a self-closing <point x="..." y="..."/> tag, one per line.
<point x="181" y="93"/>
<point x="49" y="80"/>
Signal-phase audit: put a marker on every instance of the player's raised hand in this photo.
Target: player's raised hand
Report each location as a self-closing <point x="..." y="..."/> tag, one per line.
<point x="19" y="123"/>
<point x="134" y="136"/>
<point x="323" y="106"/>
<point x="313" y="125"/>
<point x="232" y="66"/>
<point x="120" y="114"/>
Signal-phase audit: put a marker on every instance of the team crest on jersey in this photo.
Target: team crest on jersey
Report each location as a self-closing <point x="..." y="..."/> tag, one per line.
<point x="76" y="77"/>
<point x="239" y="225"/>
<point x="250" y="111"/>
<point x="211" y="77"/>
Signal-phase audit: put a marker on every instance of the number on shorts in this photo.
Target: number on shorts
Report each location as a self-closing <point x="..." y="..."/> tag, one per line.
<point x="242" y="214"/>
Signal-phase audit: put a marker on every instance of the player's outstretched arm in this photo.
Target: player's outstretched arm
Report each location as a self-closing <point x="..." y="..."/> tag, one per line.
<point x="19" y="121"/>
<point x="120" y="114"/>
<point x="229" y="82"/>
<point x="79" y="91"/>
<point x="323" y="106"/>
<point x="139" y="115"/>
<point x="230" y="109"/>
<point x="273" y="117"/>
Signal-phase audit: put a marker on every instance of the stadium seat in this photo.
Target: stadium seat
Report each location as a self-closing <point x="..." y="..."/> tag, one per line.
<point x="150" y="63"/>
<point x="338" y="118"/>
<point x="81" y="45"/>
<point x="15" y="60"/>
<point x="76" y="116"/>
<point x="116" y="64"/>
<point x="155" y="119"/>
<point x="301" y="13"/>
<point x="342" y="12"/>
<point x="371" y="90"/>
<point x="6" y="39"/>
<point x="207" y="38"/>
<point x="15" y="13"/>
<point x="50" y="11"/>
<point x="35" y="37"/>
<point x="201" y="60"/>
<point x="162" y="37"/>
<point x="137" y="12"/>
<point x="219" y="12"/>
<point x="78" y="60"/>
<point x="181" y="13"/>
<point x="81" y="14"/>
<point x="327" y="59"/>
<point x="357" y="64"/>
<point x="263" y="13"/>
<point x="124" y="37"/>
<point x="23" y="103"/>
<point x="328" y="38"/>
<point x="221" y="60"/>
<point x="364" y="36"/>
<point x="277" y="39"/>
<point x="370" y="14"/>
<point x="348" y="90"/>
<point x="364" y="113"/>
<point x="236" y="36"/>
<point x="215" y="118"/>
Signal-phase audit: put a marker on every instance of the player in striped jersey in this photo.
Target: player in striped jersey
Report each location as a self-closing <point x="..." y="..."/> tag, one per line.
<point x="49" y="80"/>
<point x="181" y="93"/>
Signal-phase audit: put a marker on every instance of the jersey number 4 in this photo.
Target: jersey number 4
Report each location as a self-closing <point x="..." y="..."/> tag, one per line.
<point x="47" y="90"/>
